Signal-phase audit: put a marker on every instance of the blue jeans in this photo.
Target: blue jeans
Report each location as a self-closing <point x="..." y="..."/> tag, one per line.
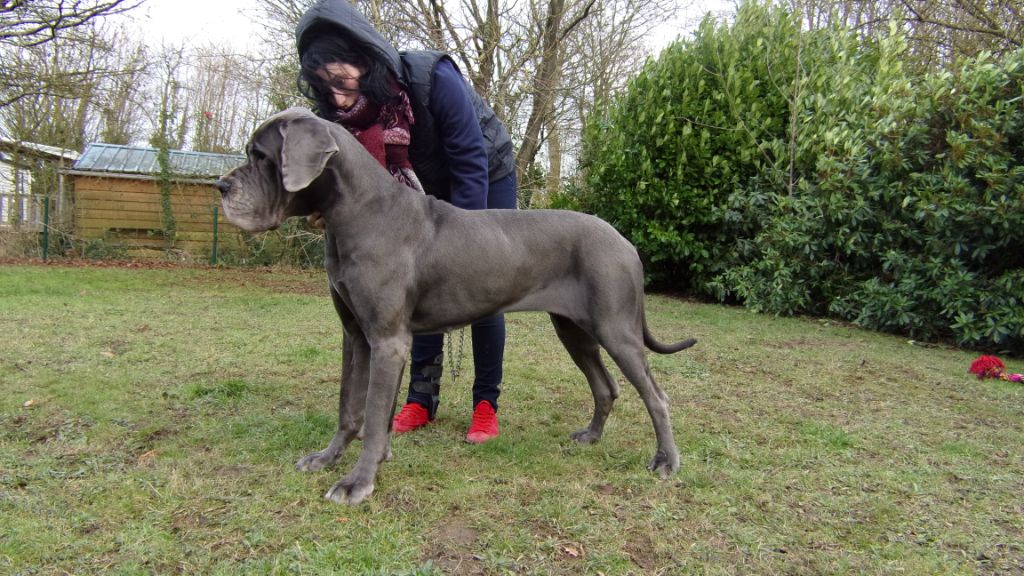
<point x="488" y="339"/>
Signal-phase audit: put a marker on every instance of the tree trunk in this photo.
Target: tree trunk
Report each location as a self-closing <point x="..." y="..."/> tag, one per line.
<point x="545" y="84"/>
<point x="554" y="179"/>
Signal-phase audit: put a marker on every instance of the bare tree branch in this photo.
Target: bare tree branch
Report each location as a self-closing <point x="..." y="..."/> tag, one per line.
<point x="579" y="18"/>
<point x="27" y="23"/>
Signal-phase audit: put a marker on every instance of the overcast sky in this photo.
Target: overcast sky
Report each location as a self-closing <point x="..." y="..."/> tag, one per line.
<point x="197" y="21"/>
<point x="230" y="21"/>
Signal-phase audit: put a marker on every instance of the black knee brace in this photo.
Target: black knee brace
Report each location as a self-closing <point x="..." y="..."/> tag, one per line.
<point x="427" y="380"/>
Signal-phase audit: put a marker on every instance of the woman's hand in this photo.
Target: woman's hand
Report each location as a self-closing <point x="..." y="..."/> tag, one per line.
<point x="316" y="220"/>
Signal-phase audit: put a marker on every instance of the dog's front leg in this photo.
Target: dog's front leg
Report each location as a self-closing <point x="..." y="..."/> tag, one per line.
<point x="355" y="358"/>
<point x="351" y="401"/>
<point x="387" y="362"/>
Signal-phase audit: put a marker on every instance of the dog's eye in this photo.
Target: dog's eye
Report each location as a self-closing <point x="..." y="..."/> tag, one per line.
<point x="256" y="155"/>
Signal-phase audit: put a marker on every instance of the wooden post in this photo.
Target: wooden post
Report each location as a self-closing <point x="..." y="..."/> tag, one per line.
<point x="213" y="250"/>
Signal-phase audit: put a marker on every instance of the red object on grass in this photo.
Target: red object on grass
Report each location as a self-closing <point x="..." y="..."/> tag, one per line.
<point x="987" y="367"/>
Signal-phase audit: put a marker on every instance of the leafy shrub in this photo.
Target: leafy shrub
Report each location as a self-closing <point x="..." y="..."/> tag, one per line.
<point x="951" y="257"/>
<point x="852" y="188"/>
<point x="663" y="160"/>
<point x="295" y="243"/>
<point x="910" y="229"/>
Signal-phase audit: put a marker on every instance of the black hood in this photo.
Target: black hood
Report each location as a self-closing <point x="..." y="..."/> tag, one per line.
<point x="340" y="17"/>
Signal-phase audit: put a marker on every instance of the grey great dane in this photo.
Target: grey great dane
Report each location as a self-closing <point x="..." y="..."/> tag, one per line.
<point x="399" y="262"/>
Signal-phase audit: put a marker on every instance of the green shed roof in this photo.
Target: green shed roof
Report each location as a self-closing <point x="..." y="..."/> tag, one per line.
<point x="114" y="158"/>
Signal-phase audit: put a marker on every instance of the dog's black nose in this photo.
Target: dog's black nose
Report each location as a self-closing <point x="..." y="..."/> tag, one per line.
<point x="224" y="186"/>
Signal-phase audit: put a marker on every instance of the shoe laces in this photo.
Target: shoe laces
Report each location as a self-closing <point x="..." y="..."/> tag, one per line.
<point x="412" y="413"/>
<point x="485" y="419"/>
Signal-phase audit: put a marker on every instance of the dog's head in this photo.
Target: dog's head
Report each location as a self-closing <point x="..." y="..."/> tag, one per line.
<point x="285" y="155"/>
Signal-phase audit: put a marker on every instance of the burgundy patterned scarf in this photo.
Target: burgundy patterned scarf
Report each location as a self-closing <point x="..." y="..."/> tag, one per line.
<point x="384" y="131"/>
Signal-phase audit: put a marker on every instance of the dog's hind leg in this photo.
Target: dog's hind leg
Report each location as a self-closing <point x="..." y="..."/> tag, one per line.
<point x="586" y="353"/>
<point x="629" y="356"/>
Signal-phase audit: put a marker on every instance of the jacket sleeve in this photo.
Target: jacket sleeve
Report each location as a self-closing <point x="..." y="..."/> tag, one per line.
<point x="459" y="131"/>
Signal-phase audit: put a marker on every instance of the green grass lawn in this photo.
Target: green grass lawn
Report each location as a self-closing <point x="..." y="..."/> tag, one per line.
<point x="150" y="421"/>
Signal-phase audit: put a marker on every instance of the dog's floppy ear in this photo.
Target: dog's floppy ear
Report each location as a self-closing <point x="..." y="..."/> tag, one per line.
<point x="305" y="151"/>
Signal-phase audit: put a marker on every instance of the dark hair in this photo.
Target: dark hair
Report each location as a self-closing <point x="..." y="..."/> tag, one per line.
<point x="329" y="47"/>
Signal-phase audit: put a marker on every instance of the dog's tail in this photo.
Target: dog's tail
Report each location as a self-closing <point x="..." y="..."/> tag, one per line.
<point x="660" y="348"/>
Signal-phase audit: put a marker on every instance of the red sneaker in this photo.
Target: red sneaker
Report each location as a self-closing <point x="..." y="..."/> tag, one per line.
<point x="484" y="425"/>
<point x="411" y="417"/>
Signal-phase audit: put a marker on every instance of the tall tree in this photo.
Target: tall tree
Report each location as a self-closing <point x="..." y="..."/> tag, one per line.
<point x="89" y="80"/>
<point x="171" y="119"/>
<point x="547" y="78"/>
<point x="121" y="99"/>
<point x="599" y="58"/>
<point x="229" y="99"/>
<point x="33" y="23"/>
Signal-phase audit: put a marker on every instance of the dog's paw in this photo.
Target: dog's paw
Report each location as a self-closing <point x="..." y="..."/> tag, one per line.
<point x="664" y="464"/>
<point x="348" y="491"/>
<point x="316" y="461"/>
<point x="585" y="436"/>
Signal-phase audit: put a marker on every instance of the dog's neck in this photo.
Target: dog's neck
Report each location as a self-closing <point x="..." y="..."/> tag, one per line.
<point x="355" y="191"/>
<point x="342" y="202"/>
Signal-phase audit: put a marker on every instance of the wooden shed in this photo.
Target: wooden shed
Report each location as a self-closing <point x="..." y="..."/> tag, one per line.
<point x="119" y="198"/>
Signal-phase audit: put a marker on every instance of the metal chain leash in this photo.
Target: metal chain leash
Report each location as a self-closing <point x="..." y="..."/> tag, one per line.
<point x="455" y="360"/>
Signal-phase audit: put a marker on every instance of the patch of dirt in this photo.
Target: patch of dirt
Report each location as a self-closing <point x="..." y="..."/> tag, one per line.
<point x="1001" y="558"/>
<point x="39" y="427"/>
<point x="806" y="343"/>
<point x="306" y="283"/>
<point x="641" y="551"/>
<point x="289" y="280"/>
<point x="187" y="519"/>
<point x="452" y="547"/>
<point x="86" y="263"/>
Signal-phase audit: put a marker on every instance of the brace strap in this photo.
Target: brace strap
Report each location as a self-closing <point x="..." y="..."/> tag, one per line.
<point x="428" y="381"/>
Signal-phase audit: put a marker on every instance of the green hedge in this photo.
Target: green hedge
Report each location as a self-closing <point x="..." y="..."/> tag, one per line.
<point x="809" y="173"/>
<point x="663" y="161"/>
